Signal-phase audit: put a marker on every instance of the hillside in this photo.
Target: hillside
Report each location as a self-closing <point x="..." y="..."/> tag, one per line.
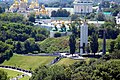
<point x="13" y="74"/>
<point x="66" y="61"/>
<point x="51" y="45"/>
<point x="55" y="44"/>
<point x="28" y="62"/>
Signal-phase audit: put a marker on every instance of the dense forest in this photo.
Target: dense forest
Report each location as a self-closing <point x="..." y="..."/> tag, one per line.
<point x="18" y="36"/>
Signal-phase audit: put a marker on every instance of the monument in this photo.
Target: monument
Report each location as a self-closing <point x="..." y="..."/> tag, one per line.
<point x="83" y="37"/>
<point x="104" y="42"/>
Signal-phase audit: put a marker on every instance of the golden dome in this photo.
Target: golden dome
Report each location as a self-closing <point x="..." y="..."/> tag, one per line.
<point x="31" y="6"/>
<point x="36" y="4"/>
<point x="37" y="13"/>
<point x="16" y="2"/>
<point x="43" y="7"/>
<point x="24" y="1"/>
<point x="63" y="22"/>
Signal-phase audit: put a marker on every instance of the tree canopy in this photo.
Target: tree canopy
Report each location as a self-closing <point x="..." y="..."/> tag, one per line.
<point x="3" y="75"/>
<point x="60" y="13"/>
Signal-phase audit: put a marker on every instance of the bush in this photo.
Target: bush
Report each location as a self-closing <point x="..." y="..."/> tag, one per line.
<point x="3" y="75"/>
<point x="57" y="34"/>
<point x="115" y="54"/>
<point x="96" y="70"/>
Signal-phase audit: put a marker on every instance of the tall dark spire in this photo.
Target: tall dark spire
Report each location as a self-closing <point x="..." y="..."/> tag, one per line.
<point x="104" y="42"/>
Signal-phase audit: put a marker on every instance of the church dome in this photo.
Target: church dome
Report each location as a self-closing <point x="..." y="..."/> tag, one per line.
<point x="16" y="2"/>
<point x="26" y="1"/>
<point x="34" y="5"/>
<point x="31" y="6"/>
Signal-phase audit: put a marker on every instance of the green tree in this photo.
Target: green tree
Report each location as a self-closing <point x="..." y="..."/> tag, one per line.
<point x="112" y="46"/>
<point x="94" y="43"/>
<point x="100" y="17"/>
<point x="1" y="10"/>
<point x="72" y="43"/>
<point x="5" y="51"/>
<point x="31" y="46"/>
<point x="9" y="41"/>
<point x="91" y="16"/>
<point x="19" y="48"/>
<point x="74" y="17"/>
<point x="115" y="54"/>
<point x="115" y="11"/>
<point x="60" y="13"/>
<point x="106" y="4"/>
<point x="117" y="45"/>
<point x="27" y="46"/>
<point x="57" y="34"/>
<point x="53" y="14"/>
<point x="32" y="17"/>
<point x="40" y="37"/>
<point x="3" y="75"/>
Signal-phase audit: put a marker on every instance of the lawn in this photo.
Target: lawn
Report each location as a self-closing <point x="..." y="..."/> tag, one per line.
<point x="25" y="78"/>
<point x="28" y="62"/>
<point x="66" y="61"/>
<point x="13" y="74"/>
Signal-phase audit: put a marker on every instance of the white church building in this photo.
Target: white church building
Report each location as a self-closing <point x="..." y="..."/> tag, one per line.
<point x="118" y="18"/>
<point x="83" y="6"/>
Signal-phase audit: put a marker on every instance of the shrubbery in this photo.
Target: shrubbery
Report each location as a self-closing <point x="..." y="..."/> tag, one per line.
<point x="6" y="51"/>
<point x="60" y="13"/>
<point x="82" y="70"/>
<point x="3" y="75"/>
<point x="58" y="34"/>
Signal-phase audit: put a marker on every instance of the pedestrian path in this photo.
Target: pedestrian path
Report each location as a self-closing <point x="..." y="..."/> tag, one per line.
<point x="29" y="74"/>
<point x="19" y="77"/>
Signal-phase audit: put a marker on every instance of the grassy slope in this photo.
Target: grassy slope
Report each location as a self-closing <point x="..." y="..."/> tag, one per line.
<point x="12" y="74"/>
<point x="55" y="44"/>
<point x="27" y="62"/>
<point x="66" y="61"/>
<point x="62" y="44"/>
<point x="25" y="78"/>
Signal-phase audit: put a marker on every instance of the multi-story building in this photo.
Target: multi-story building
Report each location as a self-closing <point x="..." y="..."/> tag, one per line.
<point x="83" y="6"/>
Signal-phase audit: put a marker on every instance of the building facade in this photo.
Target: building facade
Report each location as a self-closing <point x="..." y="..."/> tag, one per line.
<point x="83" y="6"/>
<point x="118" y="18"/>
